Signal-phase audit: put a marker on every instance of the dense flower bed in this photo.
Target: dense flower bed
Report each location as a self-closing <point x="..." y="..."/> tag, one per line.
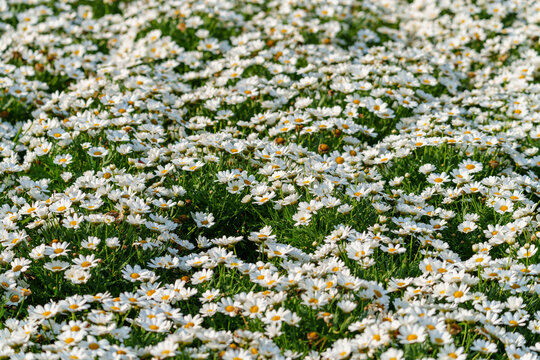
<point x="269" y="179"/>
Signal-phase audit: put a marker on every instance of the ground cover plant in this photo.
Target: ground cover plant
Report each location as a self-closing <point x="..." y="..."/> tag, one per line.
<point x="269" y="179"/>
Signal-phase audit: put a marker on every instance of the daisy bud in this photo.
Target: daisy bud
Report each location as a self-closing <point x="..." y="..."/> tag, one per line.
<point x="323" y="148"/>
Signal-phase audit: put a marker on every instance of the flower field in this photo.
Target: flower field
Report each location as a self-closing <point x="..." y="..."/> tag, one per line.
<point x="303" y="179"/>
